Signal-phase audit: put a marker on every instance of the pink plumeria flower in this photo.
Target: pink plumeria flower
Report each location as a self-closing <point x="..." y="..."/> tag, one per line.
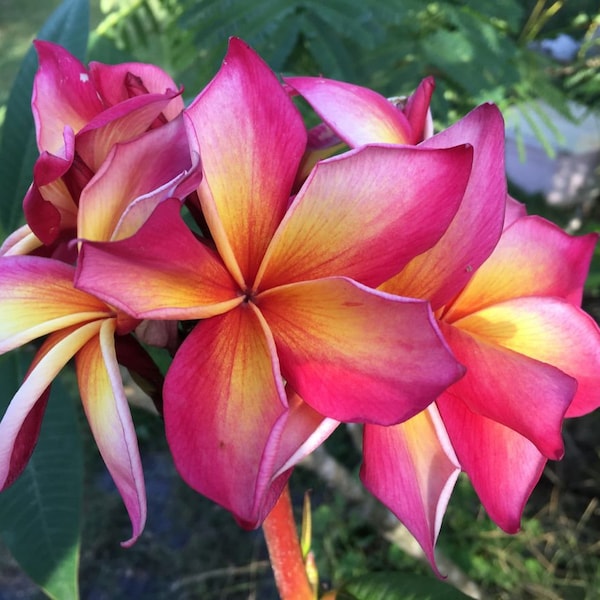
<point x="37" y="297"/>
<point x="288" y="293"/>
<point x="508" y="305"/>
<point x="80" y="115"/>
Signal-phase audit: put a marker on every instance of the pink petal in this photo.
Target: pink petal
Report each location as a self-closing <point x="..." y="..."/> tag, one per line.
<point x="502" y="465"/>
<point x="20" y="241"/>
<point x="514" y="210"/>
<point x="62" y="95"/>
<point x="355" y="354"/>
<point x="117" y="83"/>
<point x="509" y="387"/>
<point x="20" y="426"/>
<point x="223" y="403"/>
<point x="303" y="431"/>
<point x="357" y="114"/>
<point x="551" y="331"/>
<point x="412" y="469"/>
<point x="37" y="297"/>
<point x="366" y="213"/>
<point x="417" y="111"/>
<point x="108" y="414"/>
<point x="119" y="123"/>
<point x="533" y="258"/>
<point x="153" y="275"/>
<point x="440" y="273"/>
<point x="132" y="181"/>
<point x="252" y="139"/>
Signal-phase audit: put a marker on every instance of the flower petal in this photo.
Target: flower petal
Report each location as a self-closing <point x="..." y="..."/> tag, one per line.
<point x="252" y="139"/>
<point x="20" y="426"/>
<point x="143" y="171"/>
<point x="156" y="275"/>
<point x="514" y="210"/>
<point x="62" y="95"/>
<point x="223" y="398"/>
<point x="412" y="469"/>
<point x="355" y="354"/>
<point x="502" y="465"/>
<point x="507" y="386"/>
<point x="357" y="114"/>
<point x="551" y="331"/>
<point x="21" y="241"/>
<point x="440" y="273"/>
<point x="533" y="258"/>
<point x="117" y="83"/>
<point x="37" y="297"/>
<point x="119" y="123"/>
<point x="108" y="414"/>
<point x="304" y="430"/>
<point x="417" y="110"/>
<point x="366" y="213"/>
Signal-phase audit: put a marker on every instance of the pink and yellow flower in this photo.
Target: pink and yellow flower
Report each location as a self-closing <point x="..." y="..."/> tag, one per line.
<point x="508" y="306"/>
<point x="286" y="301"/>
<point x="106" y="119"/>
<point x="80" y="115"/>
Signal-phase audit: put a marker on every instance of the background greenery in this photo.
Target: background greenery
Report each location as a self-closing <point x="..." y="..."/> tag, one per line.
<point x="478" y="50"/>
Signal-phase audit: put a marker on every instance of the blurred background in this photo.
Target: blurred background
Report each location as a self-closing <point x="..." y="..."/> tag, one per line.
<point x="540" y="62"/>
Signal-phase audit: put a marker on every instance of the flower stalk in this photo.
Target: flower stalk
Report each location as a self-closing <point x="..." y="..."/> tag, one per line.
<point x="285" y="553"/>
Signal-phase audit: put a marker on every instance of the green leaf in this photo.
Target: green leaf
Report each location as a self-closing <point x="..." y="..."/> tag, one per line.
<point x="69" y="26"/>
<point x="40" y="514"/>
<point x="397" y="586"/>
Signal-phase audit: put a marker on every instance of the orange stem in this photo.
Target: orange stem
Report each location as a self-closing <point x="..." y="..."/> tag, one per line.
<point x="284" y="551"/>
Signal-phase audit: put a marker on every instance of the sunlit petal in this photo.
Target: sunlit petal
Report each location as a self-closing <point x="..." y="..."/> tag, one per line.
<point x="366" y="214"/>
<point x="20" y="241"/>
<point x="441" y="272"/>
<point x="507" y="386"/>
<point x="357" y="114"/>
<point x="116" y="83"/>
<point x="21" y="423"/>
<point x="252" y="139"/>
<point x="37" y="297"/>
<point x="150" y="275"/>
<point x="417" y="110"/>
<point x="502" y="465"/>
<point x="152" y="165"/>
<point x="62" y="95"/>
<point x="548" y="330"/>
<point x="355" y="354"/>
<point x="110" y="420"/>
<point x="533" y="258"/>
<point x="304" y="430"/>
<point x="119" y="123"/>
<point x="412" y="469"/>
<point x="223" y="398"/>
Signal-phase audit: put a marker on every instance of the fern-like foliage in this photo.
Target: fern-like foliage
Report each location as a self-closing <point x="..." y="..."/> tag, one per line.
<point x="476" y="49"/>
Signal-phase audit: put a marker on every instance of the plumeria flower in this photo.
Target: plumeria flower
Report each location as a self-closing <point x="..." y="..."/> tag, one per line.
<point x="37" y="297"/>
<point x="508" y="306"/>
<point x="80" y="114"/>
<point x="283" y="292"/>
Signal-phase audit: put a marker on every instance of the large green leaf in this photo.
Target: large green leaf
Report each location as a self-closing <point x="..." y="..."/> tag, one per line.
<point x="69" y="26"/>
<point x="398" y="586"/>
<point x="40" y="514"/>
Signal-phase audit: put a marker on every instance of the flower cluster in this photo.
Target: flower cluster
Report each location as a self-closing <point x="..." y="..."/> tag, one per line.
<point x="363" y="271"/>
